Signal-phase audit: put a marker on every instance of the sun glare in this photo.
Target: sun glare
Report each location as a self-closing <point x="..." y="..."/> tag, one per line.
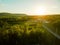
<point x="40" y="10"/>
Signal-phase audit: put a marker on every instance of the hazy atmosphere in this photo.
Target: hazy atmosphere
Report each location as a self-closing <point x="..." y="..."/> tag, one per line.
<point x="30" y="6"/>
<point x="29" y="22"/>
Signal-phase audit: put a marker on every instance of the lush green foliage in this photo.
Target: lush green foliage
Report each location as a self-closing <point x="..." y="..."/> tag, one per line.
<point x="25" y="30"/>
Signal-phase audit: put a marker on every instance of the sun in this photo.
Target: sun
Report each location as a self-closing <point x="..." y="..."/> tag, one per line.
<point x="40" y="10"/>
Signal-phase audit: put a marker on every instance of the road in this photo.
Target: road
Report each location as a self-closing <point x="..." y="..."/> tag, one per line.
<point x="46" y="27"/>
<point x="49" y="30"/>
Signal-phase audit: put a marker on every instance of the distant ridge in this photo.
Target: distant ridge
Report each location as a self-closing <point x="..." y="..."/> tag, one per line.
<point x="22" y="14"/>
<point x="13" y="14"/>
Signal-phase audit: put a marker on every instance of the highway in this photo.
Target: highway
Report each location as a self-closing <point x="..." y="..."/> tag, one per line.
<point x="44" y="22"/>
<point x="48" y="29"/>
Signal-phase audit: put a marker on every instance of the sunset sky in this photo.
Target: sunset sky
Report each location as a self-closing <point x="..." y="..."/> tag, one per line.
<point x="30" y="6"/>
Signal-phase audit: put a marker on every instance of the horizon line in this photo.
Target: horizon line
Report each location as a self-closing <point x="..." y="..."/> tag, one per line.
<point x="31" y="14"/>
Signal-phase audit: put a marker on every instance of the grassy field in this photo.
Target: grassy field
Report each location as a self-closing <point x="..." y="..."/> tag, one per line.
<point x="21" y="29"/>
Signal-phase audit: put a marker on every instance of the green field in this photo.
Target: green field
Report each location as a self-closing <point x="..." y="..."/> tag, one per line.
<point x="21" y="29"/>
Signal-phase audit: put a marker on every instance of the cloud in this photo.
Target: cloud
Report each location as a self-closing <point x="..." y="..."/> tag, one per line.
<point x="1" y="5"/>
